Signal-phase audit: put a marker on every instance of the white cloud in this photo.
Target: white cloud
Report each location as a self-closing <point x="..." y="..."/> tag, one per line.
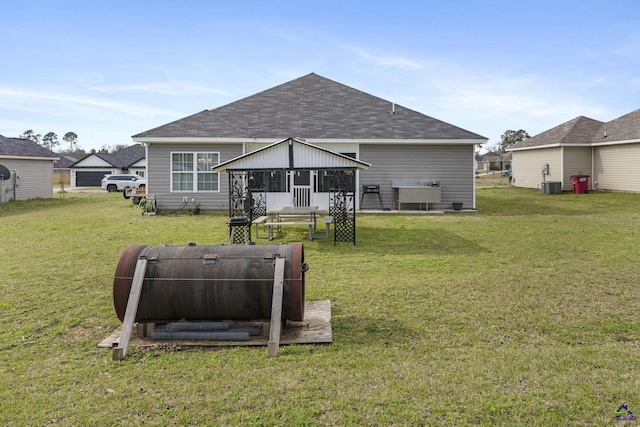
<point x="173" y="89"/>
<point x="98" y="121"/>
<point x="58" y="103"/>
<point x="387" y="61"/>
<point x="490" y="103"/>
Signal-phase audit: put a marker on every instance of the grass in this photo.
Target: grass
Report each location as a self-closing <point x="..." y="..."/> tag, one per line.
<point x="524" y="313"/>
<point x="491" y="179"/>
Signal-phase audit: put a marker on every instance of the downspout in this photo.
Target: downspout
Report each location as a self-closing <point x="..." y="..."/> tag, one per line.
<point x="593" y="169"/>
<point x="562" y="167"/>
<point x="473" y="174"/>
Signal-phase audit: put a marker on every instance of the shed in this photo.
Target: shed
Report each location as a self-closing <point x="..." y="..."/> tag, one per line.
<point x="31" y="167"/>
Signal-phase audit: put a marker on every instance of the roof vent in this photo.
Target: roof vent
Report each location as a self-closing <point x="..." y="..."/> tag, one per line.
<point x="605" y="134"/>
<point x="393" y="108"/>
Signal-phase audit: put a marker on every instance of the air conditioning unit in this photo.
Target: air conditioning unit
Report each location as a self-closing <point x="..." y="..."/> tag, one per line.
<point x="551" y="187"/>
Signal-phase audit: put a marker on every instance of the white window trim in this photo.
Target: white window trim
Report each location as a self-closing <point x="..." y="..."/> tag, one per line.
<point x="194" y="172"/>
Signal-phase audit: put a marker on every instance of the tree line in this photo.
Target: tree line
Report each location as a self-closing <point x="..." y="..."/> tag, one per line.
<point x="507" y="139"/>
<point x="50" y="141"/>
<point x="510" y="137"/>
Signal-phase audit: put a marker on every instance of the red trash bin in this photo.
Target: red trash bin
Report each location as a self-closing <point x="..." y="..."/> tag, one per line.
<point x="580" y="183"/>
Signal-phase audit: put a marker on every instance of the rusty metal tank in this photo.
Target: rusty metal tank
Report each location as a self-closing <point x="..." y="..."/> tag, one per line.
<point x="211" y="282"/>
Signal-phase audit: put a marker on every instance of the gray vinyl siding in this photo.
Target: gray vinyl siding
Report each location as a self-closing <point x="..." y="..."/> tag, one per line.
<point x="36" y="179"/>
<point x="452" y="166"/>
<point x="159" y="175"/>
<point x="527" y="167"/>
<point x="577" y="161"/>
<point x="617" y="167"/>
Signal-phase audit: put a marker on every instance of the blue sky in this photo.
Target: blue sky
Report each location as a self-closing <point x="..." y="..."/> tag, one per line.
<point x="107" y="70"/>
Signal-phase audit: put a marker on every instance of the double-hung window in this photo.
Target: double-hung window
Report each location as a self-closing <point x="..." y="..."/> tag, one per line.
<point x="192" y="172"/>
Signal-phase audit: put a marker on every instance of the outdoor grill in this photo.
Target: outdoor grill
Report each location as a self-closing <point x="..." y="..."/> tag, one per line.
<point x="371" y="189"/>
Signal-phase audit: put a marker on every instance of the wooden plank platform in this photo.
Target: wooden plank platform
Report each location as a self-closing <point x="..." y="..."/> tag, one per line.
<point x="314" y="329"/>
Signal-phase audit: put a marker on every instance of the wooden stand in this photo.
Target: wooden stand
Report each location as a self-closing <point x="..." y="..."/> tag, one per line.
<point x="276" y="309"/>
<point x="275" y="327"/>
<point x="314" y="329"/>
<point x="120" y="350"/>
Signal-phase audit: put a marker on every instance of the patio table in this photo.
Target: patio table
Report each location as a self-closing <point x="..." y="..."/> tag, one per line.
<point x="292" y="215"/>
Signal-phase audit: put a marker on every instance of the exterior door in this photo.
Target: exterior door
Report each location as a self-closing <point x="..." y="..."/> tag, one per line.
<point x="301" y="188"/>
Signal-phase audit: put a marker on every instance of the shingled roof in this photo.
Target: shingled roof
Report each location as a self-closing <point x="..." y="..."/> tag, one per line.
<point x="64" y="162"/>
<point x="122" y="159"/>
<point x="126" y="157"/>
<point x="20" y="147"/>
<point x="310" y="107"/>
<point x="625" y="128"/>
<point x="585" y="131"/>
<point x="577" y="131"/>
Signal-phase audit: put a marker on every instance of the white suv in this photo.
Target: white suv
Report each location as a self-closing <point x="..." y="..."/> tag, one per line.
<point x="113" y="183"/>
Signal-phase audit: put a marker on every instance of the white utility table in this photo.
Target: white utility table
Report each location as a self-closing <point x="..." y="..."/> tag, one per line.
<point x="420" y="194"/>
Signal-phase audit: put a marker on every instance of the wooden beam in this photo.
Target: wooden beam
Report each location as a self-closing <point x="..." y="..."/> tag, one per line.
<point x="276" y="309"/>
<point x="120" y="351"/>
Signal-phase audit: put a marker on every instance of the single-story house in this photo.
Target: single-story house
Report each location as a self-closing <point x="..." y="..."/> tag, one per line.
<point x="404" y="147"/>
<point x="496" y="161"/>
<point x="479" y="162"/>
<point x="61" y="171"/>
<point x="506" y="160"/>
<point x="31" y="170"/>
<point x="89" y="171"/>
<point x="609" y="152"/>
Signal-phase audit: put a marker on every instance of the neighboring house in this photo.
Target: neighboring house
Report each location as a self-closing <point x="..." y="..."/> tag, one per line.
<point x="31" y="168"/>
<point x="608" y="152"/>
<point x="401" y="145"/>
<point x="61" y="171"/>
<point x="492" y="161"/>
<point x="64" y="162"/>
<point x="479" y="162"/>
<point x="506" y="160"/>
<point x="89" y="171"/>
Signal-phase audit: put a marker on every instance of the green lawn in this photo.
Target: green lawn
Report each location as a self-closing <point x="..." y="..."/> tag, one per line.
<point x="524" y="313"/>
